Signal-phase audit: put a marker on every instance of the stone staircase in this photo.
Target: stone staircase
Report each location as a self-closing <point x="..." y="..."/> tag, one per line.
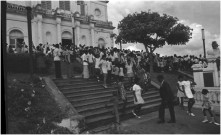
<point x="89" y="99"/>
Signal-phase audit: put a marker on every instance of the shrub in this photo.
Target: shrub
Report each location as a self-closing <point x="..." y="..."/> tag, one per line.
<point x="19" y="63"/>
<point x="30" y="107"/>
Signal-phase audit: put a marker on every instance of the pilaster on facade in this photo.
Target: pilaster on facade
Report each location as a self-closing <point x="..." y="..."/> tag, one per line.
<point x="39" y="23"/>
<point x="77" y="31"/>
<point x="92" y="33"/>
<point x="58" y="22"/>
<point x="92" y="25"/>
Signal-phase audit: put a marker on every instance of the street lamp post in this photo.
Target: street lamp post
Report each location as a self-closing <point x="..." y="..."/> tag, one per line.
<point x="119" y="30"/>
<point x="29" y="16"/>
<point x="4" y="52"/>
<point x="203" y="38"/>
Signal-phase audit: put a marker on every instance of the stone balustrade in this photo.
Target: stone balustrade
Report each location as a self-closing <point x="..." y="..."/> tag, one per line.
<point x="13" y="8"/>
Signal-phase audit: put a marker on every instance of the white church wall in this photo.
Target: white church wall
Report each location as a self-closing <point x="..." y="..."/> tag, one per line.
<point x="47" y="27"/>
<point x="105" y="36"/>
<point x="20" y="25"/>
<point x="85" y="32"/>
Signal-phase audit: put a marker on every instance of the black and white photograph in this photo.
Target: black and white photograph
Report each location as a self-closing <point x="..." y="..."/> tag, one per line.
<point x="110" y="67"/>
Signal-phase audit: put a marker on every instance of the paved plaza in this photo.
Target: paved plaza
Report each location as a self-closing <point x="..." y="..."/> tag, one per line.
<point x="185" y="124"/>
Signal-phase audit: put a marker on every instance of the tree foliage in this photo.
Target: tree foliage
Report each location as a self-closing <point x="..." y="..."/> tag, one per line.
<point x="153" y="30"/>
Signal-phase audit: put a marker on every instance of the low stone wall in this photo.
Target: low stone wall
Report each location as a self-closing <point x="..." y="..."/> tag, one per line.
<point x="74" y="122"/>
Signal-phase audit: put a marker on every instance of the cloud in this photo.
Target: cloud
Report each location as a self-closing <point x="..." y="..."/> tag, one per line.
<point x="195" y="45"/>
<point x="196" y="14"/>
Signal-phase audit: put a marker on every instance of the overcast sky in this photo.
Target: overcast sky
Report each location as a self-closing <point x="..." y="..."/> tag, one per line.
<point x="196" y="14"/>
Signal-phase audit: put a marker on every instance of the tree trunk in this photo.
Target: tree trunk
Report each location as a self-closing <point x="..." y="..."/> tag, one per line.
<point x="151" y="61"/>
<point x="151" y="58"/>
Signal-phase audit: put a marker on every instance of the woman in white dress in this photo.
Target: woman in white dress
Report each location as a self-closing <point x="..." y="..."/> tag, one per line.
<point x="180" y="92"/>
<point x="138" y="100"/>
<point x="104" y="66"/>
<point x="186" y="86"/>
<point x="130" y="73"/>
<point x="85" y="65"/>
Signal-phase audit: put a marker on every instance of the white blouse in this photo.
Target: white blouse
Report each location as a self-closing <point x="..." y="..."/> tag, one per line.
<point x="187" y="88"/>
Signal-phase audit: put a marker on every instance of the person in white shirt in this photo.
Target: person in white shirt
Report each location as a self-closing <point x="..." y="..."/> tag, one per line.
<point x="121" y="73"/>
<point x="129" y="67"/>
<point x="97" y="68"/>
<point x="57" y="61"/>
<point x="116" y="72"/>
<point x="84" y="58"/>
<point x="112" y="57"/>
<point x="101" y="54"/>
<point x="109" y="69"/>
<point x="67" y="59"/>
<point x="180" y="92"/>
<point x="91" y="63"/>
<point x="186" y="86"/>
<point x="115" y="55"/>
<point x="138" y="100"/>
<point x="104" y="64"/>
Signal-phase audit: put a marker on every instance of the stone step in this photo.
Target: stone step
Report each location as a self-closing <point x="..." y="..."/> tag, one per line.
<point x="80" y="83"/>
<point x="98" y="99"/>
<point x="109" y="109"/>
<point x="110" y="118"/>
<point x="78" y="80"/>
<point x="94" y="93"/>
<point x="65" y="84"/>
<point x="101" y="96"/>
<point x="89" y="98"/>
<point x="85" y="106"/>
<point x="74" y="91"/>
<point x="85" y="86"/>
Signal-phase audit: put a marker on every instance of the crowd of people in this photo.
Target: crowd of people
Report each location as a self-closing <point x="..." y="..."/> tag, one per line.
<point x="112" y="66"/>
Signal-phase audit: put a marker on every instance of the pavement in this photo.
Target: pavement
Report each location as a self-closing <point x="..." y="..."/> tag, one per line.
<point x="185" y="124"/>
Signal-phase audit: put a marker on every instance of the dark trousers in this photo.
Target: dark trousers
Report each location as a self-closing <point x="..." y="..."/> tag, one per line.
<point x="109" y="76"/>
<point x="190" y="104"/>
<point x="137" y="109"/>
<point x="57" y="69"/>
<point x="162" y="110"/>
<point x="97" y="73"/>
<point x="181" y="101"/>
<point x="91" y="69"/>
<point x="124" y="106"/>
<point x="209" y="110"/>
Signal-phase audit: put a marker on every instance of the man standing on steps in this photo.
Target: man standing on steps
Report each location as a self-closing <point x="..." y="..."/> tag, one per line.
<point x="167" y="97"/>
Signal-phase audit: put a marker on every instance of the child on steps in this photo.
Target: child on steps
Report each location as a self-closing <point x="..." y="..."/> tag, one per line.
<point x="206" y="106"/>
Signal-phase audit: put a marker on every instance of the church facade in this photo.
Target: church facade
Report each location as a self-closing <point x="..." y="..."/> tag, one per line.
<point x="66" y="22"/>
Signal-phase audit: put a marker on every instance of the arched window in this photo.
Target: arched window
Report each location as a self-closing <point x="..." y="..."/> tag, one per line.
<point x="15" y="37"/>
<point x="82" y="7"/>
<point x="101" y="43"/>
<point x="65" y="5"/>
<point x="46" y="5"/>
<point x="83" y="40"/>
<point x="48" y="37"/>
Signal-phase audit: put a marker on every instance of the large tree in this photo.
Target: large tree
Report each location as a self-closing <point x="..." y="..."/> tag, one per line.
<point x="153" y="31"/>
